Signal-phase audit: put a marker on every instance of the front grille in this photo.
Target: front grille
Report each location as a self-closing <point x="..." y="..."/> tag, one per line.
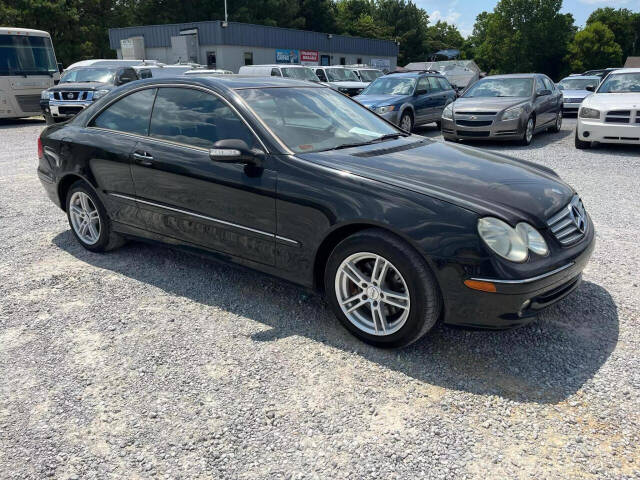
<point x="29" y="103"/>
<point x="470" y="133"/>
<point x="570" y="224"/>
<point x="618" y="116"/>
<point x="474" y="123"/>
<point x="572" y="100"/>
<point x="71" y="95"/>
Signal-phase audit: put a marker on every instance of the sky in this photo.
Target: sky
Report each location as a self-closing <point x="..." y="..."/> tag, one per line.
<point x="463" y="13"/>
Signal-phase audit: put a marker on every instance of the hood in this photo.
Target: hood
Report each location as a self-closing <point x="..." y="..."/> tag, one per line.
<point x="575" y="93"/>
<point x="377" y="100"/>
<point x="484" y="182"/>
<point x="484" y="104"/>
<point x="609" y="101"/>
<point x="349" y="84"/>
<point x="64" y="87"/>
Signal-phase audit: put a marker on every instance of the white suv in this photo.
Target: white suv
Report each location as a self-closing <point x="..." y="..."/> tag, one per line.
<point x="612" y="113"/>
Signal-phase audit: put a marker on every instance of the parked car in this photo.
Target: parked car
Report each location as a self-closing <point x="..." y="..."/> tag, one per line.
<point x="341" y="79"/>
<point x="409" y="99"/>
<point x="79" y="88"/>
<point x="299" y="72"/>
<point x="164" y="71"/>
<point x="505" y="107"/>
<point x="365" y="73"/>
<point x="600" y="72"/>
<point x="612" y="113"/>
<point x="303" y="183"/>
<point x="574" y="90"/>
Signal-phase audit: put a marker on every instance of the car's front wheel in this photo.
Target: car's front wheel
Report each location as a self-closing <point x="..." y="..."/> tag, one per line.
<point x="381" y="289"/>
<point x="406" y="121"/>
<point x="557" y="126"/>
<point x="88" y="219"/>
<point x="527" y="135"/>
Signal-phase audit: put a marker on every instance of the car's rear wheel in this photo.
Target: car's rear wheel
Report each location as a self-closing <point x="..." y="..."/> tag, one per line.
<point x="558" y="125"/>
<point x="527" y="135"/>
<point x="381" y="289"/>
<point x="406" y="121"/>
<point x="88" y="219"/>
<point x="581" y="144"/>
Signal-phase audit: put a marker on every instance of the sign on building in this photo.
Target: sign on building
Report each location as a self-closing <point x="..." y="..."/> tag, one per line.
<point x="287" y="56"/>
<point x="309" y="57"/>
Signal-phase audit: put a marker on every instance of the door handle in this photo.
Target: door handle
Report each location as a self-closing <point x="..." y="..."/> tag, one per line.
<point x="143" y="158"/>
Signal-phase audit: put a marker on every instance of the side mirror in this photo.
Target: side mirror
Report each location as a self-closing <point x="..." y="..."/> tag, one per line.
<point x="234" y="150"/>
<point x="591" y="88"/>
<point x="60" y="67"/>
<point x="544" y="93"/>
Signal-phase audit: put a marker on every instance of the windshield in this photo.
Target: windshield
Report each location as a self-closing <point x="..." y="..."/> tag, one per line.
<point x="621" y="83"/>
<point x="391" y="86"/>
<point x="370" y="75"/>
<point x="578" y="83"/>
<point x="501" y="87"/>
<point x="309" y="119"/>
<point x="341" y="75"/>
<point x="26" y="55"/>
<point x="101" y="75"/>
<point x="300" y="73"/>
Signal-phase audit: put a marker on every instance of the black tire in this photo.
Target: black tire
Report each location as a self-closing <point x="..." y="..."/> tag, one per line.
<point x="557" y="125"/>
<point x="425" y="299"/>
<point x="525" y="140"/>
<point x="107" y="239"/>
<point x="439" y="125"/>
<point x="403" y="118"/>
<point x="580" y="144"/>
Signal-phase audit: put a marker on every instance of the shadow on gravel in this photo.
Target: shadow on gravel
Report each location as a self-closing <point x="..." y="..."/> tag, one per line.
<point x="544" y="362"/>
<point x="6" y="124"/>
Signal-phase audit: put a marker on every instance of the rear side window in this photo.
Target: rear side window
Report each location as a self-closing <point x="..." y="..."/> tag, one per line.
<point x="444" y="83"/>
<point x="275" y="72"/>
<point x="197" y="118"/>
<point x="129" y="114"/>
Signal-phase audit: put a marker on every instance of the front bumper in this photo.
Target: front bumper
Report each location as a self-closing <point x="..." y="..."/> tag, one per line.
<point x="515" y="302"/>
<point x="597" y="131"/>
<point x="470" y="127"/>
<point x="62" y="109"/>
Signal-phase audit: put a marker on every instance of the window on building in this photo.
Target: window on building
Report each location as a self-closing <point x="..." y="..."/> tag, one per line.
<point x="359" y="61"/>
<point x="343" y="61"/>
<point x="129" y="114"/>
<point x="248" y="58"/>
<point x="211" y="60"/>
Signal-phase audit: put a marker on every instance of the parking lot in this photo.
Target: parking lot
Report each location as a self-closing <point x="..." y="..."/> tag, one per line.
<point x="150" y="362"/>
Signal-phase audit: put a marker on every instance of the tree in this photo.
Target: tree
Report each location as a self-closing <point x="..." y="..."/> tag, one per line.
<point x="594" y="47"/>
<point x="443" y="35"/>
<point x="408" y="24"/>
<point x="625" y="26"/>
<point x="523" y="36"/>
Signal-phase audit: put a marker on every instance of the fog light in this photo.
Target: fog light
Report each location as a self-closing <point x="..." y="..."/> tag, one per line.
<point x="585" y="134"/>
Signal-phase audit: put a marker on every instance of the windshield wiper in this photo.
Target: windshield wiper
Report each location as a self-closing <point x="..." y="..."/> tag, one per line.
<point x="382" y="138"/>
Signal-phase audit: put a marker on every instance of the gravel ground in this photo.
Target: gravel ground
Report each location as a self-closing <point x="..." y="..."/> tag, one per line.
<point x="149" y="362"/>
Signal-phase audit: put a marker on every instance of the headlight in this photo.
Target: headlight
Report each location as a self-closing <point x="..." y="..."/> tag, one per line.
<point x="532" y="237"/>
<point x="586" y="112"/>
<point x="99" y="94"/>
<point x="447" y="113"/>
<point x="385" y="109"/>
<point x="44" y="95"/>
<point x="503" y="239"/>
<point x="512" y="113"/>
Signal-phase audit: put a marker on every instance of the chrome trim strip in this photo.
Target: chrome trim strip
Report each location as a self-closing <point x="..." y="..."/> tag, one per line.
<point x="151" y="139"/>
<point x="526" y="280"/>
<point x="204" y="217"/>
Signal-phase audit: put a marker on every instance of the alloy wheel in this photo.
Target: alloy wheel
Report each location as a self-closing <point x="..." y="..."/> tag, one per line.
<point x="405" y="124"/>
<point x="529" y="132"/>
<point x="372" y="294"/>
<point x="559" y="121"/>
<point x="85" y="218"/>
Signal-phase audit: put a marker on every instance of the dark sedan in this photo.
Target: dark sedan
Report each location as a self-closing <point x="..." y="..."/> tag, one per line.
<point x="301" y="182"/>
<point x="505" y="107"/>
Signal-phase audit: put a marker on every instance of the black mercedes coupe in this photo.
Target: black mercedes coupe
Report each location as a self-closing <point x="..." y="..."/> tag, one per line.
<point x="301" y="182"/>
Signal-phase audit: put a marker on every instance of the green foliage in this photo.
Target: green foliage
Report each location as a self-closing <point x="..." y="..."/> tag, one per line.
<point x="625" y="26"/>
<point x="522" y="36"/>
<point x="594" y="47"/>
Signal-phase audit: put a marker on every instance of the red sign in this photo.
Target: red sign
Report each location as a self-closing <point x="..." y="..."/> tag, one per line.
<point x="309" y="55"/>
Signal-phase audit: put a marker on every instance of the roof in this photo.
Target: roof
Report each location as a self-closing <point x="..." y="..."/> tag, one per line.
<point x="274" y="65"/>
<point x="23" y="31"/>
<point x="470" y="64"/>
<point x="233" y="82"/>
<point x="515" y="75"/>
<point x="213" y="33"/>
<point x="632" y="62"/>
<point x="583" y="77"/>
<point x="625" y="70"/>
<point x="412" y="74"/>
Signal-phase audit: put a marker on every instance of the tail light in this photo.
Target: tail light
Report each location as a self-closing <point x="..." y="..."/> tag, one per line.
<point x="40" y="149"/>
